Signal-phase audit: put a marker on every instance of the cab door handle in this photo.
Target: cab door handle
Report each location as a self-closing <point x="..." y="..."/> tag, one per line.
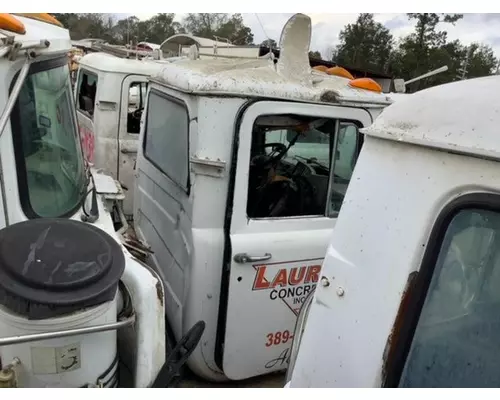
<point x="243" y="258"/>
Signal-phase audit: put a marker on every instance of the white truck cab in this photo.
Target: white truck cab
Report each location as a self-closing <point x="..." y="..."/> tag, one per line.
<point x="110" y="92"/>
<point x="242" y="168"/>
<point x="408" y="294"/>
<point x="110" y="96"/>
<point x="76" y="308"/>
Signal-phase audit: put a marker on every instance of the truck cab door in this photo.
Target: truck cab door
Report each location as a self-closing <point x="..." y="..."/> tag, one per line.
<point x="274" y="260"/>
<point x="133" y="98"/>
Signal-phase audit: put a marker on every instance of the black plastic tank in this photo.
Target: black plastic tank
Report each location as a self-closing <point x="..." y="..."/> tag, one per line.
<point x="54" y="267"/>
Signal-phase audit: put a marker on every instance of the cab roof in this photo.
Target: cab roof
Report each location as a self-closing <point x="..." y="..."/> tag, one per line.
<point x="109" y="63"/>
<point x="462" y="117"/>
<point x="38" y="30"/>
<point x="260" y="78"/>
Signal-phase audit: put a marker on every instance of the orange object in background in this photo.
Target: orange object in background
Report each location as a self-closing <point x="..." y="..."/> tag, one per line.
<point x="320" y="68"/>
<point x="339" y="71"/>
<point x="367" y="84"/>
<point x="11" y="24"/>
<point x="43" y="17"/>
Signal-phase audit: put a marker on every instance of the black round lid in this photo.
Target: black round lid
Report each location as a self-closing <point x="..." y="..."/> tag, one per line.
<point x="52" y="267"/>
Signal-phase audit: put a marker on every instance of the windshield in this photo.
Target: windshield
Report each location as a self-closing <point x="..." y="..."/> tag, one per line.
<point x="313" y="146"/>
<point x="50" y="166"/>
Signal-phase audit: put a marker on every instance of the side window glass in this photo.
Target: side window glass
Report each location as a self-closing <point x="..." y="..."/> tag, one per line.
<point x="136" y="99"/>
<point x="166" y="138"/>
<point x="346" y="154"/>
<point x="290" y="164"/>
<point x="87" y="91"/>
<point x="457" y="339"/>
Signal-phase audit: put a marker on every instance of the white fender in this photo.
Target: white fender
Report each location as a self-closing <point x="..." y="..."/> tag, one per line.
<point x="144" y="344"/>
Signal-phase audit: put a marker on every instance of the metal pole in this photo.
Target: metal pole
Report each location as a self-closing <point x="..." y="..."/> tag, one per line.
<point x="436" y="71"/>
<point x="14" y="95"/>
<point x="35" y="337"/>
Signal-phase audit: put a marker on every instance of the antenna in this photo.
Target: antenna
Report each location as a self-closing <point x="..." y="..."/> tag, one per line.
<point x="265" y="33"/>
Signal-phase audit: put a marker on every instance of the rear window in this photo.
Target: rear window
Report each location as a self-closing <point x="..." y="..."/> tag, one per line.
<point x="166" y="140"/>
<point x="87" y="91"/>
<point x="456" y="342"/>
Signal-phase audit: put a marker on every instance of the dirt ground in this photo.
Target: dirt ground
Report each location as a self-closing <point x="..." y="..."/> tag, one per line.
<point x="268" y="381"/>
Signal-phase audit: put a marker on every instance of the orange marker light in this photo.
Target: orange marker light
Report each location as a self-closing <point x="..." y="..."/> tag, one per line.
<point x="44" y="17"/>
<point x="339" y="71"/>
<point x="11" y="24"/>
<point x="367" y="84"/>
<point x="320" y="68"/>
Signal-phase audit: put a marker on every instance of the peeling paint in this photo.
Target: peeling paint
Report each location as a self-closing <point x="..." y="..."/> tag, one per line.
<point x="390" y="348"/>
<point x="159" y="293"/>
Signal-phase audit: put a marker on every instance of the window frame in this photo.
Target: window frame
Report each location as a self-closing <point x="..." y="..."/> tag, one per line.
<point x="187" y="186"/>
<point x="332" y="148"/>
<point x="412" y="303"/>
<point x="81" y="71"/>
<point x="142" y="100"/>
<point x="333" y="160"/>
<point x="15" y="118"/>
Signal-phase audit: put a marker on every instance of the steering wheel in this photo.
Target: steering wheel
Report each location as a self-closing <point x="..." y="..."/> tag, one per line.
<point x="279" y="150"/>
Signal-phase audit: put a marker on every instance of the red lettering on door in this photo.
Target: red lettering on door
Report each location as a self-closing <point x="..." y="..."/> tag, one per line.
<point x="295" y="279"/>
<point x="260" y="279"/>
<point x="313" y="274"/>
<point x="280" y="279"/>
<point x="87" y="139"/>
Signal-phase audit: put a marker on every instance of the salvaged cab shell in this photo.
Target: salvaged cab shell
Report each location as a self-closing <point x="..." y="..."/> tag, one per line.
<point x="407" y="269"/>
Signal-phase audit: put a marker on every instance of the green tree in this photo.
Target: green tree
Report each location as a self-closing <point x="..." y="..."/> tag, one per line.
<point x="315" y="54"/>
<point x="222" y="26"/>
<point x="125" y="30"/>
<point x="158" y="28"/>
<point x="87" y="25"/>
<point x="67" y="19"/>
<point x="427" y="49"/>
<point x="426" y="35"/>
<point x="420" y="51"/>
<point x="270" y="43"/>
<point x="481" y="61"/>
<point x="236" y="31"/>
<point x="366" y="44"/>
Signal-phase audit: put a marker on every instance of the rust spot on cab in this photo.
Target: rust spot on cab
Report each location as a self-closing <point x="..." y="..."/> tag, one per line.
<point x="390" y="346"/>
<point x="159" y="292"/>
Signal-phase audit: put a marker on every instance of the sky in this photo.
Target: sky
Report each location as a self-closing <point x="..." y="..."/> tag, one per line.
<point x="483" y="28"/>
